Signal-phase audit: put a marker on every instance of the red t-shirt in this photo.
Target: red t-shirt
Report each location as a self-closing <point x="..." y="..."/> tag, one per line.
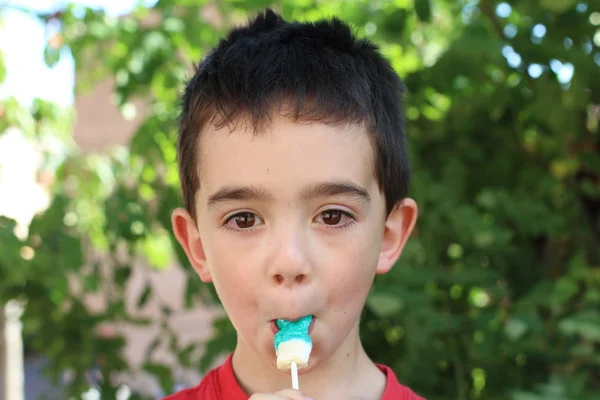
<point x="220" y="384"/>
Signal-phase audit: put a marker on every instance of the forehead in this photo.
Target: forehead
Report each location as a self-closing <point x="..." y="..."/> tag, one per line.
<point x="285" y="156"/>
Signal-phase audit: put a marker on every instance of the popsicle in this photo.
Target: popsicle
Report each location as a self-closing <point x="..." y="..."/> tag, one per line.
<point x="293" y="346"/>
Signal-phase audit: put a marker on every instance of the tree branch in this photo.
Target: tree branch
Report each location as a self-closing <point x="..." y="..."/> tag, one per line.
<point x="488" y="10"/>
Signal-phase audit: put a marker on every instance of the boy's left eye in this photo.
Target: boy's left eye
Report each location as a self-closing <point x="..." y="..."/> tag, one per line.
<point x="335" y="217"/>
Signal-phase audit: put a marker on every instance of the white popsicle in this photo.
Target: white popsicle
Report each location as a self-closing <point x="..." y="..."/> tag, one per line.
<point x="293" y="346"/>
<point x="294" y="350"/>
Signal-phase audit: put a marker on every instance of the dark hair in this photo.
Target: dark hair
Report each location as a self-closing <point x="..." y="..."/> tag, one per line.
<point x="320" y="72"/>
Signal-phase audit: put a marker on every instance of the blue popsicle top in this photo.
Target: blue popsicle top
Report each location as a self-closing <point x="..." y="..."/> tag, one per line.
<point x="293" y="330"/>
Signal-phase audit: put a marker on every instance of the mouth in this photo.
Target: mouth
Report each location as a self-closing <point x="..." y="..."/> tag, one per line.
<point x="275" y="328"/>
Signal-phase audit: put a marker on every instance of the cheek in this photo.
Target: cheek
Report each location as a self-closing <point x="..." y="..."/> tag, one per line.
<point x="351" y="277"/>
<point x="234" y="279"/>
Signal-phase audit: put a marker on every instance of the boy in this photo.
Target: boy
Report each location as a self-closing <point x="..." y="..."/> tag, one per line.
<point x="294" y="175"/>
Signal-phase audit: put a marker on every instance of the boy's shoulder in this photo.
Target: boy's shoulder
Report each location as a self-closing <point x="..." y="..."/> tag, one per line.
<point x="208" y="388"/>
<point x="394" y="390"/>
<point x="220" y="384"/>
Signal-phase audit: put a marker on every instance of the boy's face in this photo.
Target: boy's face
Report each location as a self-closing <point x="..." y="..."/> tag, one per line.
<point x="292" y="222"/>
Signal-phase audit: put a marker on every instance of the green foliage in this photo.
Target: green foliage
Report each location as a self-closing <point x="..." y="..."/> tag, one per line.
<point x="497" y="294"/>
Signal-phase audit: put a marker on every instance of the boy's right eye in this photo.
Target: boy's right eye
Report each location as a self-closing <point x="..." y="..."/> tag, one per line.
<point x="243" y="220"/>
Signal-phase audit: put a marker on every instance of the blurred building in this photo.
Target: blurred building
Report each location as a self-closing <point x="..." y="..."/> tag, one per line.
<point x="99" y="126"/>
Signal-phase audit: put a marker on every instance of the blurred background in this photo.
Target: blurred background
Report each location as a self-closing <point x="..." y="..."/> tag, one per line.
<point x="497" y="295"/>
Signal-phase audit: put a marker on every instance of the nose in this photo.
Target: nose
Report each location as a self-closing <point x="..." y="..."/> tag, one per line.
<point x="289" y="264"/>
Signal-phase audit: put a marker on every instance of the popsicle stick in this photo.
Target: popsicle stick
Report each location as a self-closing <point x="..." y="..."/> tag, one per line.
<point x="295" y="376"/>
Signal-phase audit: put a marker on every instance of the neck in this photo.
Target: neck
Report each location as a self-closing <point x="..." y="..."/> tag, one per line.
<point x="349" y="373"/>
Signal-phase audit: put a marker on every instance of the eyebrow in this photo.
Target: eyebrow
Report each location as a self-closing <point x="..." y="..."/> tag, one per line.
<point x="330" y="189"/>
<point x="238" y="193"/>
<point x="320" y="189"/>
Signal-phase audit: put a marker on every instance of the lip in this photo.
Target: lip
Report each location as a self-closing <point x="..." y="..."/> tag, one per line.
<point x="275" y="328"/>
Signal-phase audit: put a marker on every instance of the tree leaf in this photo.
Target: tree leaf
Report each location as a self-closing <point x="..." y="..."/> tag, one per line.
<point x="384" y="304"/>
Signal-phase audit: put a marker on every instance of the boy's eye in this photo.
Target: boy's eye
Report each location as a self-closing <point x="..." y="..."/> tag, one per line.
<point x="244" y="220"/>
<point x="334" y="217"/>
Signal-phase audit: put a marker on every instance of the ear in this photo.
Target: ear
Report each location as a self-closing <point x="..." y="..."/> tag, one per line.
<point x="398" y="227"/>
<point x="188" y="237"/>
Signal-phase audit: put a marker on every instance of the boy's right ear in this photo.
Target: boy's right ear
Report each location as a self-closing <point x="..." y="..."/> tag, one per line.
<point x="188" y="237"/>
